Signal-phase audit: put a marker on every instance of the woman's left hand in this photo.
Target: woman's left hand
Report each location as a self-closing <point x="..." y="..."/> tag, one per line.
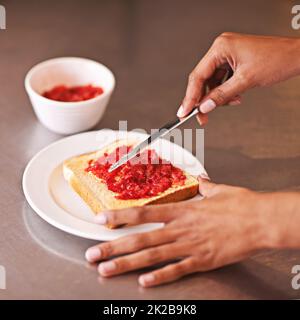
<point x="225" y="227"/>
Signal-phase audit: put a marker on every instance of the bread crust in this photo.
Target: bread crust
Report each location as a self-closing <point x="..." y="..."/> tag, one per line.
<point x="86" y="194"/>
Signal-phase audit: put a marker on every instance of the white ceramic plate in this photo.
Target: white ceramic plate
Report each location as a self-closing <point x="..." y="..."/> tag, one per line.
<point x="53" y="200"/>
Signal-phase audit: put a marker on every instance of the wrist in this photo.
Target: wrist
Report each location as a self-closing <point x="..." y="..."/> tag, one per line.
<point x="279" y="220"/>
<point x="267" y="221"/>
<point x="295" y="48"/>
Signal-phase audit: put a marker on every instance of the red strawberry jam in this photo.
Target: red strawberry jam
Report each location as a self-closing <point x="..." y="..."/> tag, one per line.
<point x="145" y="176"/>
<point x="73" y="94"/>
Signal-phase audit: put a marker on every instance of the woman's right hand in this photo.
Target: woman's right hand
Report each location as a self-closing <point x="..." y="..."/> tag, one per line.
<point x="252" y="61"/>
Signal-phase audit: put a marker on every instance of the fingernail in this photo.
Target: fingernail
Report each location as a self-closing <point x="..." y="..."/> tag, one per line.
<point x="107" y="267"/>
<point x="180" y="112"/>
<point x="146" y="279"/>
<point x="101" y="219"/>
<point x="234" y="103"/>
<point x="203" y="175"/>
<point x="93" y="254"/>
<point x="207" y="106"/>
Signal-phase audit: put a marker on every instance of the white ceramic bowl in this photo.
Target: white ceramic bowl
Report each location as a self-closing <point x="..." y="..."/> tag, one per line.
<point x="69" y="117"/>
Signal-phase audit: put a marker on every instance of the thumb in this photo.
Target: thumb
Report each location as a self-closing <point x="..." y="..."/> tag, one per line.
<point x="206" y="188"/>
<point x="222" y="94"/>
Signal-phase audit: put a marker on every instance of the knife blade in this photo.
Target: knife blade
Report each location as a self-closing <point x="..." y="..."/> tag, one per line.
<point x="168" y="127"/>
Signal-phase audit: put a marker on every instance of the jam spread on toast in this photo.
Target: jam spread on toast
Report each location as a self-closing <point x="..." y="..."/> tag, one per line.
<point x="144" y="176"/>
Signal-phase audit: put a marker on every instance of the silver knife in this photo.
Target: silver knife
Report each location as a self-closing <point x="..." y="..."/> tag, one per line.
<point x="156" y="135"/>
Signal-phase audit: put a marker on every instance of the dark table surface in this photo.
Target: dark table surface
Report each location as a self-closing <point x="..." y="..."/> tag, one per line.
<point x="151" y="46"/>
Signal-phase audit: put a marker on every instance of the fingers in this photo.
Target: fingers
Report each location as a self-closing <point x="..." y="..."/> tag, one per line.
<point x="139" y="215"/>
<point x="220" y="75"/>
<point x="226" y="93"/>
<point x="206" y="188"/>
<point x="234" y="103"/>
<point x="169" y="273"/>
<point x="202" y="119"/>
<point x="210" y="71"/>
<point x="196" y="83"/>
<point x="131" y="244"/>
<point x="142" y="259"/>
<point x="209" y="189"/>
<point x="223" y="94"/>
<point x="237" y="100"/>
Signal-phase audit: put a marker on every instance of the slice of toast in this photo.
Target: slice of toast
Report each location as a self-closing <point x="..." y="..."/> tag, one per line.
<point x="96" y="194"/>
